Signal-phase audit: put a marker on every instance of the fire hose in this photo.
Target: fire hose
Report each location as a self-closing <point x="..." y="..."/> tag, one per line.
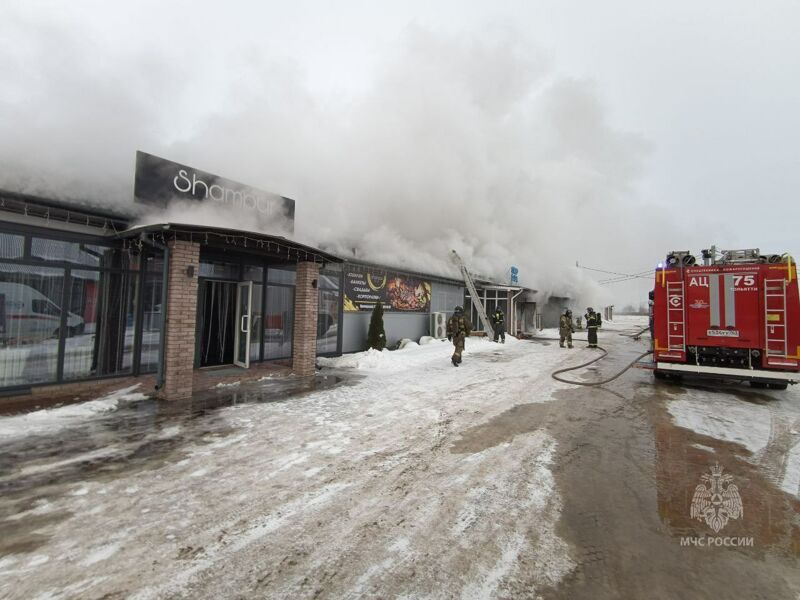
<point x="555" y="374"/>
<point x="636" y="335"/>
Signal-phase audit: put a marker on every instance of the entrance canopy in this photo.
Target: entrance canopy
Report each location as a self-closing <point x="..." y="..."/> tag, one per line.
<point x="268" y="246"/>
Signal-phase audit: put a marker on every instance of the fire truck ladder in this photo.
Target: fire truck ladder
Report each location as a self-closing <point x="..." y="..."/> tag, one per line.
<point x="775" y="318"/>
<point x="676" y="316"/>
<point x="473" y="294"/>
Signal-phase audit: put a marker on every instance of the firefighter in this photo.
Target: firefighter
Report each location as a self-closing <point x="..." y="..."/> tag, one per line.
<point x="566" y="328"/>
<point x="458" y="328"/>
<point x="593" y="321"/>
<point x="498" y="320"/>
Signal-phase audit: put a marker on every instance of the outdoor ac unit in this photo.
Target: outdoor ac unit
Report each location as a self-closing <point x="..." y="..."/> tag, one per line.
<point x="439" y="325"/>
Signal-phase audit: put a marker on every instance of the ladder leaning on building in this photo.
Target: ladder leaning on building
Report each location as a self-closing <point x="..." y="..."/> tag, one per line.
<point x="473" y="293"/>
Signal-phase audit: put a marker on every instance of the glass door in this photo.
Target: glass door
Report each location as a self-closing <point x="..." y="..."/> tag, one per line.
<point x="244" y="301"/>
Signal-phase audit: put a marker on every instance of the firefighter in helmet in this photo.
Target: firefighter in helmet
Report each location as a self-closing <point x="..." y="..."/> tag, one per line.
<point x="498" y="321"/>
<point x="566" y="328"/>
<point x="458" y="328"/>
<point x="593" y="322"/>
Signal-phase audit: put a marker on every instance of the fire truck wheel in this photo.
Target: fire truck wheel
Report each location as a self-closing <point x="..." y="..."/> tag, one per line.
<point x="778" y="386"/>
<point x="659" y="375"/>
<point x="758" y="385"/>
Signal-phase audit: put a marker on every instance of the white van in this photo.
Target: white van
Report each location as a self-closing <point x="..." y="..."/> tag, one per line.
<point x="27" y="315"/>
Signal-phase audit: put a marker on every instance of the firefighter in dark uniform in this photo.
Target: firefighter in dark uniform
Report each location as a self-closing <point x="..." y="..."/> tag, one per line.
<point x="498" y="320"/>
<point x="566" y="328"/>
<point x="593" y="321"/>
<point x="458" y="328"/>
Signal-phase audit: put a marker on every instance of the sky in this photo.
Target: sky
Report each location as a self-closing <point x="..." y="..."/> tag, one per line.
<point x="541" y="134"/>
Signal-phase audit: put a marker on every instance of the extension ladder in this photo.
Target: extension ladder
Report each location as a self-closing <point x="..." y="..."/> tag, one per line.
<point x="473" y="294"/>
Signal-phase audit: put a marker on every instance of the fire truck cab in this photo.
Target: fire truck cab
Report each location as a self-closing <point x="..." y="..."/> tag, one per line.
<point x="737" y="316"/>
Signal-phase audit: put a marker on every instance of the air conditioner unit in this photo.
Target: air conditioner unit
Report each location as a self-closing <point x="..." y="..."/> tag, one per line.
<point x="439" y="325"/>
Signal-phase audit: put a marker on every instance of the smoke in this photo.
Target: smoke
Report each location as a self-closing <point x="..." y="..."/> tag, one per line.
<point x="468" y="142"/>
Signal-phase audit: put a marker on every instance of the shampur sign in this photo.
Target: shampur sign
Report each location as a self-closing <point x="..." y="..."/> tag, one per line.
<point x="160" y="181"/>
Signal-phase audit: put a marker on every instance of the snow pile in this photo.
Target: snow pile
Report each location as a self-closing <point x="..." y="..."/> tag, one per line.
<point x="409" y="355"/>
<point x="222" y="384"/>
<point x="55" y="418"/>
<point x="370" y="359"/>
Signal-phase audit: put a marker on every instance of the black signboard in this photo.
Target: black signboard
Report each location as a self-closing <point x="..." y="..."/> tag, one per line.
<point x="398" y="293"/>
<point x="160" y="181"/>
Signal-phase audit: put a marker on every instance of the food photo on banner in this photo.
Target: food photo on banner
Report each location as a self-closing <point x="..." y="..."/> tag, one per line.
<point x="363" y="289"/>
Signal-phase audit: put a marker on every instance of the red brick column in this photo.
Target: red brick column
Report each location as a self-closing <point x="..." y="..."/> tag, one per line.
<point x="181" y="319"/>
<point x="306" y="300"/>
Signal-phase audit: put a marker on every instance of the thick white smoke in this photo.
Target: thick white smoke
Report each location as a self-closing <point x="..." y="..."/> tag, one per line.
<point x="466" y="142"/>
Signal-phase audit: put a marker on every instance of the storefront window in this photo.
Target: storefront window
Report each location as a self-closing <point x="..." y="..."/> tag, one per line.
<point x="151" y="316"/>
<point x="219" y="270"/>
<point x="257" y="326"/>
<point x="278" y="322"/>
<point x="100" y="324"/>
<point x="328" y="315"/>
<point x="77" y="253"/>
<point x="252" y="273"/>
<point x="80" y="321"/>
<point x="30" y="320"/>
<point x="11" y="246"/>
<point x="284" y="275"/>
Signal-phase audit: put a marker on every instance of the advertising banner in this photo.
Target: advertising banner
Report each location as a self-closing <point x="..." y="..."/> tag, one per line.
<point x="160" y="181"/>
<point x="397" y="293"/>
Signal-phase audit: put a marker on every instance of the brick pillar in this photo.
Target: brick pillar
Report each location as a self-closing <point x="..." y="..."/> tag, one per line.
<point x="181" y="320"/>
<point x="306" y="299"/>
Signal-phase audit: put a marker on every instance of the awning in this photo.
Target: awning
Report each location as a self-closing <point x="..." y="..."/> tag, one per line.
<point x="233" y="239"/>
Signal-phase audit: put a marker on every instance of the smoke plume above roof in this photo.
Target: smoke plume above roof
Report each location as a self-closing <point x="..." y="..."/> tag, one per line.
<point x="466" y="142"/>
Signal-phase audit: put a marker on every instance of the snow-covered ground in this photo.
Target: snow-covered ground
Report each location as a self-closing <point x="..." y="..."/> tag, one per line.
<point x="398" y="482"/>
<point x="350" y="490"/>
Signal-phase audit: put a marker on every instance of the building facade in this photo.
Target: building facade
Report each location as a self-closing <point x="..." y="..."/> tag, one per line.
<point x="85" y="297"/>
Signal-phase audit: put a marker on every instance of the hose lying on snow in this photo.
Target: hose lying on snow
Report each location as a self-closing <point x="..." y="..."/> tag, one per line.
<point x="636" y="335"/>
<point x="555" y="374"/>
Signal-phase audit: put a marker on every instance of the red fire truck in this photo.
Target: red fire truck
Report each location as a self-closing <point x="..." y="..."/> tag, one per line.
<point x="736" y="316"/>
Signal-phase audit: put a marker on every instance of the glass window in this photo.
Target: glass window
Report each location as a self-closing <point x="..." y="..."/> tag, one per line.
<point x="218" y="269"/>
<point x="328" y="321"/>
<point x="503" y="305"/>
<point x="155" y="263"/>
<point x="257" y="326"/>
<point x="151" y="320"/>
<point x="329" y="281"/>
<point x="30" y="321"/>
<point x="490" y="306"/>
<point x="11" y="246"/>
<point x="100" y="324"/>
<point x="283" y="274"/>
<point x="278" y="322"/>
<point x="252" y="273"/>
<point x="81" y="254"/>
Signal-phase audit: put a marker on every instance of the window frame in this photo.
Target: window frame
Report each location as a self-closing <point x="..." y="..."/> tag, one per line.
<point x="137" y="275"/>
